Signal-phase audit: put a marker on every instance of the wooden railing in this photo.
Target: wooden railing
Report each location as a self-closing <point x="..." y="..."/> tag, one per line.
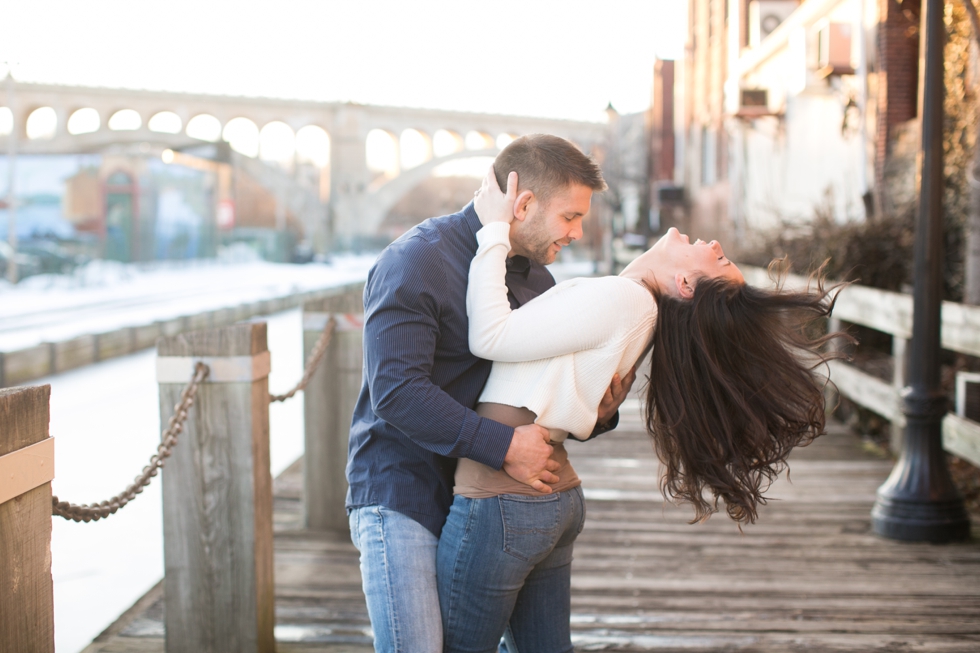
<point x="891" y="313"/>
<point x="217" y="486"/>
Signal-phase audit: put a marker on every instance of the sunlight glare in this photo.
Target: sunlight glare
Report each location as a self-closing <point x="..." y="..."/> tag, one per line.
<point x="84" y="121"/>
<point x="381" y="152"/>
<point x="42" y="123"/>
<point x="204" y="127"/>
<point x="243" y="136"/>
<point x="504" y="140"/>
<point x="445" y="142"/>
<point x="277" y="142"/>
<point x="165" y="122"/>
<point x="478" y="141"/>
<point x="415" y="148"/>
<point x="476" y="166"/>
<point x="125" y="120"/>
<point x="313" y="145"/>
<point x="6" y="121"/>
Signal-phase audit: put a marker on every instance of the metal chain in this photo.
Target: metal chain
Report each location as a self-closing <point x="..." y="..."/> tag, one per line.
<point x="319" y="349"/>
<point x="96" y="511"/>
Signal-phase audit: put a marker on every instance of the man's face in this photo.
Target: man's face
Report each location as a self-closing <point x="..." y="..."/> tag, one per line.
<point x="547" y="228"/>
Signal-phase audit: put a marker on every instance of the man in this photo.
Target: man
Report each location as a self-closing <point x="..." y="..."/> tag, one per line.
<point x="415" y="417"/>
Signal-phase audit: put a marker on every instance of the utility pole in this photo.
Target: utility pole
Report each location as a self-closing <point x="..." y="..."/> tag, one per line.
<point x="919" y="501"/>
<point x="12" y="176"/>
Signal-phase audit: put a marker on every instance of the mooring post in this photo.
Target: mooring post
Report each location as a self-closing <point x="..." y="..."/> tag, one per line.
<point x="26" y="470"/>
<point x="217" y="494"/>
<point x="329" y="404"/>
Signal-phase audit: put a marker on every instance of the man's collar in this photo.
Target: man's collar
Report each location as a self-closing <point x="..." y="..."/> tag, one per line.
<point x="519" y="265"/>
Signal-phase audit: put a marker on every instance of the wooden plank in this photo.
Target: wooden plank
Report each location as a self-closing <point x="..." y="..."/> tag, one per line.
<point x="26" y="589"/>
<point x="26" y="364"/>
<point x="891" y="312"/>
<point x="73" y="353"/>
<point x="329" y="402"/>
<point x="867" y="391"/>
<point x="113" y="344"/>
<point x="217" y="500"/>
<point x="961" y="437"/>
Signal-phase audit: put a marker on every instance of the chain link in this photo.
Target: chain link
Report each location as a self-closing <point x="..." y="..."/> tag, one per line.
<point x="319" y="349"/>
<point x="97" y="511"/>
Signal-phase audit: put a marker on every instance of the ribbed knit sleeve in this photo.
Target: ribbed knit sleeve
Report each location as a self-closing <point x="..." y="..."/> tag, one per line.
<point x="569" y="318"/>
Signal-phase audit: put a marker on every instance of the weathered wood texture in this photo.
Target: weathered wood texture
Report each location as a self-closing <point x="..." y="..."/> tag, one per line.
<point x="26" y="590"/>
<point x="329" y="401"/>
<point x="891" y="313"/>
<point x="217" y="505"/>
<point x="810" y="576"/>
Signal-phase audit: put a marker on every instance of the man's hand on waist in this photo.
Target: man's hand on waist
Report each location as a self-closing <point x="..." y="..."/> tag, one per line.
<point x="528" y="459"/>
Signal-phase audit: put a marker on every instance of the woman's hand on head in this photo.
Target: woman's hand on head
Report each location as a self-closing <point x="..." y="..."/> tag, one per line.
<point x="492" y="204"/>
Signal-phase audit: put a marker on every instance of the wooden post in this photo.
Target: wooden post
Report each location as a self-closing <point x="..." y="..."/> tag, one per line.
<point x="329" y="402"/>
<point x="217" y="495"/>
<point x="899" y="380"/>
<point x="26" y="470"/>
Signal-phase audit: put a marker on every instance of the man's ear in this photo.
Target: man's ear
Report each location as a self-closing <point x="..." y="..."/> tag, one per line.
<point x="684" y="287"/>
<point x="521" y="204"/>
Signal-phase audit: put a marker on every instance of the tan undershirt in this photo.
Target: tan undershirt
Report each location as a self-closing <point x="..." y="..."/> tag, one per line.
<point x="478" y="481"/>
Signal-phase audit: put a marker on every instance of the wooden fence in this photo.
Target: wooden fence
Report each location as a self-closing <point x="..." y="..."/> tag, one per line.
<point x="217" y="486"/>
<point x="891" y="313"/>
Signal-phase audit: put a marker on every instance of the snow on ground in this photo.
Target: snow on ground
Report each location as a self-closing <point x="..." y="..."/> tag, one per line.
<point x="104" y="295"/>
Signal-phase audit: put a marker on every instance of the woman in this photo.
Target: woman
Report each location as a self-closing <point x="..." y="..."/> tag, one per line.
<point x="731" y="392"/>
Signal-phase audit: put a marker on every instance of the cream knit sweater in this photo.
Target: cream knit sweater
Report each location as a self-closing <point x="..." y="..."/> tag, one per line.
<point x="557" y="354"/>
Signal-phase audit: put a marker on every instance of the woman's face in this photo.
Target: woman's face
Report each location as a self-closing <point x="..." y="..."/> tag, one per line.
<point x="699" y="259"/>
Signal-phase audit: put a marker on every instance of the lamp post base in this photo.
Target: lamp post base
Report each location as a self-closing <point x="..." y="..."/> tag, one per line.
<point x="913" y="520"/>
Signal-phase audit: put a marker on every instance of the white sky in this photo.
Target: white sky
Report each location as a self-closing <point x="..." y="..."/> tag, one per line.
<point x="564" y="59"/>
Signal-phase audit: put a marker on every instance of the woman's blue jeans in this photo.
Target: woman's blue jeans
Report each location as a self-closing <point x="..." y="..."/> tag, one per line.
<point x="504" y="563"/>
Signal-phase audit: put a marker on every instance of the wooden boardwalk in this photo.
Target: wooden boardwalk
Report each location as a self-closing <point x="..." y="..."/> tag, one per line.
<point x="808" y="577"/>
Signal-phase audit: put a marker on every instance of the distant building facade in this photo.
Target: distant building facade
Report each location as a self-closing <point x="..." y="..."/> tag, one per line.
<point x="785" y="109"/>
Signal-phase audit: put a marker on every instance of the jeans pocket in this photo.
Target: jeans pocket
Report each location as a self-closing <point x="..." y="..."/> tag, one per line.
<point x="531" y="525"/>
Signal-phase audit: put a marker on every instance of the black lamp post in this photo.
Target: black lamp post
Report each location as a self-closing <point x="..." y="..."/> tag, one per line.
<point x="919" y="501"/>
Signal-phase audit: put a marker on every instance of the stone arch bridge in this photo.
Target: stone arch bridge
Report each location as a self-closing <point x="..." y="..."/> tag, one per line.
<point x="93" y="120"/>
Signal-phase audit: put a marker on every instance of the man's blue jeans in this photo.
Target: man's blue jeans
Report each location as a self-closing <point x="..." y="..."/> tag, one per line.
<point x="398" y="571"/>
<point x="505" y="564"/>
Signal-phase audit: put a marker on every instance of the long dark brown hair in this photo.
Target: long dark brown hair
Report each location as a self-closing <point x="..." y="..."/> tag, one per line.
<point x="735" y="384"/>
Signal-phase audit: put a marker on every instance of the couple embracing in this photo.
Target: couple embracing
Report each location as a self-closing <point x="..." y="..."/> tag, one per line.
<point x="477" y="368"/>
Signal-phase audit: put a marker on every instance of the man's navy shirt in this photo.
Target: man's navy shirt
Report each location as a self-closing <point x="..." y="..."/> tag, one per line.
<point x="414" y="415"/>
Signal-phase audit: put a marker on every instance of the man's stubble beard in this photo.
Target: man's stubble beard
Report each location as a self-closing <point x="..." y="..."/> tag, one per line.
<point x="534" y="240"/>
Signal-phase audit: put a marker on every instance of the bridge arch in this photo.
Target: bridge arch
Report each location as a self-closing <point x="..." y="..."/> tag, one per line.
<point x="415" y="148"/>
<point x="313" y="146"/>
<point x="84" y="121"/>
<point x="42" y="124"/>
<point x="386" y="196"/>
<point x="204" y="127"/>
<point x="125" y="120"/>
<point x="277" y="143"/>
<point x="242" y="135"/>
<point x="446" y="142"/>
<point x="165" y="122"/>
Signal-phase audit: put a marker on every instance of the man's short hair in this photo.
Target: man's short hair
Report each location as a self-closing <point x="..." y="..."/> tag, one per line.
<point x="546" y="164"/>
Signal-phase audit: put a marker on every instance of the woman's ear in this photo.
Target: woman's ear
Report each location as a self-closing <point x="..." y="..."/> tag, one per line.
<point x="685" y="289"/>
<point x="521" y="204"/>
